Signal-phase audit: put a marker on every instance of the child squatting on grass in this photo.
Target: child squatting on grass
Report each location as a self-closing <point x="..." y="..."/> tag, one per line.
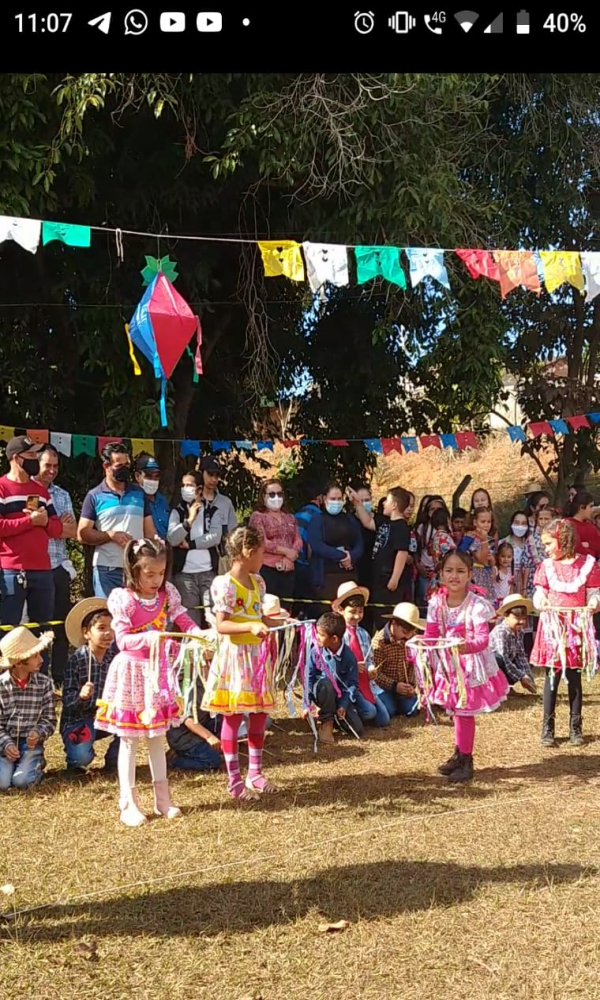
<point x="350" y="604"/>
<point x="27" y="716"/>
<point x="333" y="679"/>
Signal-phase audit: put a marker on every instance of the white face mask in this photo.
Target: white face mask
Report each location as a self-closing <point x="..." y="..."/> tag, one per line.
<point x="150" y="486"/>
<point x="274" y="503"/>
<point x="188" y="493"/>
<point x="519" y="530"/>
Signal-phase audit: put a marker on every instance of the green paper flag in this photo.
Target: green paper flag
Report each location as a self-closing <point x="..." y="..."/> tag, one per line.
<point x="73" y="236"/>
<point x="84" y="444"/>
<point x="375" y="262"/>
<point x="155" y="265"/>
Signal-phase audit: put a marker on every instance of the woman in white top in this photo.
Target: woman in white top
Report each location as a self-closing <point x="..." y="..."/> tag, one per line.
<point x="195" y="530"/>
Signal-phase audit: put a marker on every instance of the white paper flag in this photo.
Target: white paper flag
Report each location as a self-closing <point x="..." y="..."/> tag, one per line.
<point x="62" y="443"/>
<point x="25" y="232"/>
<point x="326" y="262"/>
<point x="590" y="265"/>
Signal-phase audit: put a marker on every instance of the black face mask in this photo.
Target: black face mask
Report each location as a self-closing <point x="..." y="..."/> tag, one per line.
<point x="31" y="466"/>
<point x="122" y="474"/>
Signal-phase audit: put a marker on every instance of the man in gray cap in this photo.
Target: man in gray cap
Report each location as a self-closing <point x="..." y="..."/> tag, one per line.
<point x="27" y="521"/>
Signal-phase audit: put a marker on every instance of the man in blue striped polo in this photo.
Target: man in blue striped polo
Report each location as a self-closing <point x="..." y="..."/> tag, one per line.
<point x="112" y="514"/>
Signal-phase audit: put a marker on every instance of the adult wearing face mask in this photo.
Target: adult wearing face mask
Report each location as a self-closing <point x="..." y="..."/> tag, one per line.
<point x="283" y="543"/>
<point x="195" y="531"/>
<point x="28" y="521"/>
<point x="147" y="476"/>
<point x="336" y="545"/>
<point x="517" y="539"/>
<point x="113" y="513"/>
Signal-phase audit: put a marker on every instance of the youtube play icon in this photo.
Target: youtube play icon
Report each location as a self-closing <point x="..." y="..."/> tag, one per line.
<point x="172" y="20"/>
<point x="212" y="21"/>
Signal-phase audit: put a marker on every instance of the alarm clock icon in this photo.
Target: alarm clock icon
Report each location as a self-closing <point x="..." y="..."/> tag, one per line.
<point x="364" y="22"/>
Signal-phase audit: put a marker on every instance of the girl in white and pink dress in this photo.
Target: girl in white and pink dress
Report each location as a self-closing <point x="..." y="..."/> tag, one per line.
<point x="140" y="692"/>
<point x="457" y="610"/>
<point x="564" y="643"/>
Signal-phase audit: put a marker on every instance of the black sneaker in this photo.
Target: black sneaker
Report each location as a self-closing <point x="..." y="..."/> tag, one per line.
<point x="464" y="771"/>
<point x="451" y="764"/>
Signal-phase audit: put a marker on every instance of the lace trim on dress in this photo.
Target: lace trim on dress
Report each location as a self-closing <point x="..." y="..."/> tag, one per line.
<point x="568" y="586"/>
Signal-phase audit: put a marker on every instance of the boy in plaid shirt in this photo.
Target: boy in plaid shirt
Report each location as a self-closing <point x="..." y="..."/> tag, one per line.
<point x="393" y="671"/>
<point x="27" y="716"/>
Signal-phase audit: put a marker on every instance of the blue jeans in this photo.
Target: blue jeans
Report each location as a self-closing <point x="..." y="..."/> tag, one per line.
<point x="199" y="757"/>
<point x="397" y="704"/>
<point x="374" y="712"/>
<point x="79" y="739"/>
<point x="37" y="588"/>
<point x="24" y="772"/>
<point x="107" y="579"/>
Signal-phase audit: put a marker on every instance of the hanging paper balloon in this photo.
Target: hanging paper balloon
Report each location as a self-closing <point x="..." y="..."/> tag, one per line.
<point x="161" y="328"/>
<point x="157" y="265"/>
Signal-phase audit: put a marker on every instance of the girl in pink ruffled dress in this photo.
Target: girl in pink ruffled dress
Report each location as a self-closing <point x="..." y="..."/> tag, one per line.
<point x="140" y="692"/>
<point x="564" y="641"/>
<point x="457" y="610"/>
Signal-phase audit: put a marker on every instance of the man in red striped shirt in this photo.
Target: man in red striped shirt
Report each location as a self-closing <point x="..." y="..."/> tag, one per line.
<point x="27" y="521"/>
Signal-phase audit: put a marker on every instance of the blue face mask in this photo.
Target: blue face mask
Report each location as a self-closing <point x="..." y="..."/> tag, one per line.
<point x="334" y="506"/>
<point x="368" y="506"/>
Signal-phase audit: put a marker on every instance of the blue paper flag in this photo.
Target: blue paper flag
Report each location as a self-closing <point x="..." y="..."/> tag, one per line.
<point x="516" y="433"/>
<point x="374" y="444"/>
<point x="244" y="445"/>
<point x="449" y="441"/>
<point x="264" y="446"/>
<point x="427" y="262"/>
<point x="594" y="417"/>
<point x="410" y="444"/>
<point x="308" y="441"/>
<point x="559" y="426"/>
<point x="190" y="448"/>
<point x="220" y="445"/>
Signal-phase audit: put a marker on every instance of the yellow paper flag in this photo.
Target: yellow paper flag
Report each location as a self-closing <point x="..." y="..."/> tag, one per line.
<point x="561" y="266"/>
<point x="282" y="257"/>
<point x="6" y="433"/>
<point x="142" y="444"/>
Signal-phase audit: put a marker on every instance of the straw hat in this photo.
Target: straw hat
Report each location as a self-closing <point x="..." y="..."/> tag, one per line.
<point x="515" y="601"/>
<point x="272" y="609"/>
<point x="19" y="644"/>
<point x="408" y="613"/>
<point x="76" y="615"/>
<point x="347" y="590"/>
<point x="532" y="488"/>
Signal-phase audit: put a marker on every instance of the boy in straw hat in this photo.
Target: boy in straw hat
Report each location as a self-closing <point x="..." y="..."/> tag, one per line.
<point x="350" y="604"/>
<point x="393" y="671"/>
<point x="506" y="641"/>
<point x="89" y="630"/>
<point x="27" y="716"/>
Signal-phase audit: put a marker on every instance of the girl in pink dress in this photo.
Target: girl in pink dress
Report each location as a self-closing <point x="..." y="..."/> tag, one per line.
<point x="456" y="610"/>
<point x="140" y="692"/>
<point x="564" y="641"/>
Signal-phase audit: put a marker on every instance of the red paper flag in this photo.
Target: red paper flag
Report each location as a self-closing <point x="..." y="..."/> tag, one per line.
<point x="338" y="442"/>
<point x="543" y="427"/>
<point x="391" y="444"/>
<point x="430" y="441"/>
<point x="290" y="444"/>
<point x="480" y="264"/>
<point x="466" y="439"/>
<point x="103" y="441"/>
<point x="517" y="267"/>
<point x="578" y="422"/>
<point x="38" y="437"/>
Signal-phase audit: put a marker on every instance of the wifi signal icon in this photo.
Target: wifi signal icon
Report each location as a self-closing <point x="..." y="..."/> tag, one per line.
<point x="466" y="19"/>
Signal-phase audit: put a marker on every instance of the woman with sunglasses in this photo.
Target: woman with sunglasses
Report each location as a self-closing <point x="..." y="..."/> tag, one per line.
<point x="283" y="543"/>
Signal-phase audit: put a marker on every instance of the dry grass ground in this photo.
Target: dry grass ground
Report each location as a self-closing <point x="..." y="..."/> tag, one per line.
<point x="468" y="892"/>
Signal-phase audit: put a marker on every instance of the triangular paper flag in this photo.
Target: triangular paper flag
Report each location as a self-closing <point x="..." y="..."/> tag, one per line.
<point x="62" y="442"/>
<point x="142" y="444"/>
<point x="39" y="436"/>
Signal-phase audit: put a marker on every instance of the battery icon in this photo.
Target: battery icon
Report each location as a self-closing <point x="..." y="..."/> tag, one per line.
<point x="523" y="22"/>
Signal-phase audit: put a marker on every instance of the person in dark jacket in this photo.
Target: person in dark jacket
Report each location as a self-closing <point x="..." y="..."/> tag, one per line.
<point x="336" y="545"/>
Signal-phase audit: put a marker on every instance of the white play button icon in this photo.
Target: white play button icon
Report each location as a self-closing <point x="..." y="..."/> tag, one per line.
<point x="212" y="21"/>
<point x="172" y="20"/>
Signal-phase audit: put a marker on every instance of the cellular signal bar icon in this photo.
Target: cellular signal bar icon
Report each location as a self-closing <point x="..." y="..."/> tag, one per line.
<point x="466" y="19"/>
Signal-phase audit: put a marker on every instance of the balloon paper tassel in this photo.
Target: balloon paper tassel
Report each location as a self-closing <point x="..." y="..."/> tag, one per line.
<point x="136" y="368"/>
<point x="196" y="374"/>
<point x="163" y="402"/>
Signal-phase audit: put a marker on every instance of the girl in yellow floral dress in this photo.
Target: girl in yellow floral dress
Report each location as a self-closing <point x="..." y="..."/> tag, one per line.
<point x="240" y="679"/>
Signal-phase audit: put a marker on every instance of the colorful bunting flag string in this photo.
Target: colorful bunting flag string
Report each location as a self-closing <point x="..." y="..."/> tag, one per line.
<point x="327" y="263"/>
<point x="75" y="445"/>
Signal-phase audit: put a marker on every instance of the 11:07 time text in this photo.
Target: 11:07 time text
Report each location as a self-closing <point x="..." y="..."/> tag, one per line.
<point x="54" y="23"/>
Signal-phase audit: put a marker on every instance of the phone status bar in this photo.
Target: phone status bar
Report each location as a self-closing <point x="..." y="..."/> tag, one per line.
<point x="440" y="22"/>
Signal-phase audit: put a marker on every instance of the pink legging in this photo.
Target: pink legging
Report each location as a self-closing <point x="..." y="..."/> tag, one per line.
<point x="257" y="723"/>
<point x="464" y="733"/>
